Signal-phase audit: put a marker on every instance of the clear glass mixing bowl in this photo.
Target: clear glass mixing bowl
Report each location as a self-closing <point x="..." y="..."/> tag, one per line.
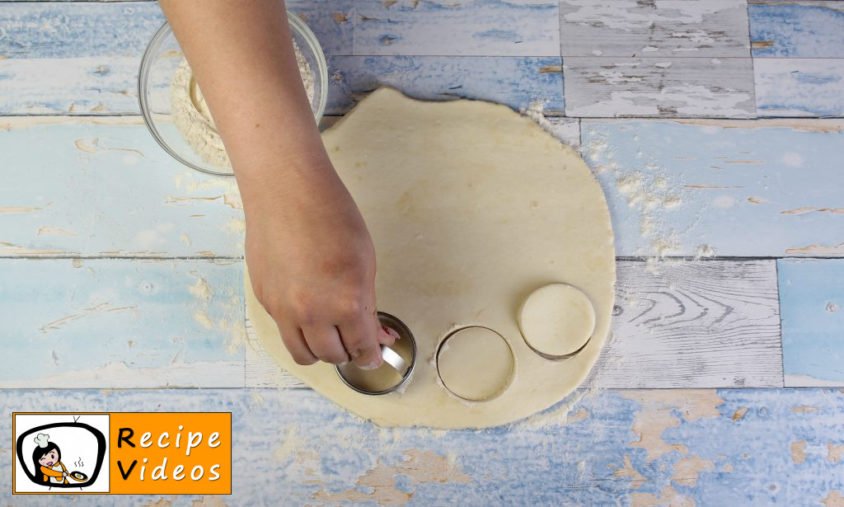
<point x="158" y="67"/>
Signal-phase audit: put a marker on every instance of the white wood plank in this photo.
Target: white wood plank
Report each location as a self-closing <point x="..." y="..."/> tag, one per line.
<point x="261" y="370"/>
<point x="662" y="87"/>
<point x="678" y="324"/>
<point x="694" y="324"/>
<point x="629" y="28"/>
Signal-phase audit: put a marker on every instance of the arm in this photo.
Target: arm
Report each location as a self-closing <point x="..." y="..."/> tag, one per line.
<point x="310" y="256"/>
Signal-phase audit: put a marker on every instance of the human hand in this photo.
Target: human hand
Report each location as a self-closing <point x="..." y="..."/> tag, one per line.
<point x="312" y="266"/>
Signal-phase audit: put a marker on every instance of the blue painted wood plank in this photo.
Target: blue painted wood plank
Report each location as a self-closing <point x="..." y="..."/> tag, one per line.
<point x="106" y="188"/>
<point x="812" y="308"/>
<point x="703" y="188"/>
<point x="105" y="322"/>
<point x="515" y="81"/>
<point x="799" y="87"/>
<point x="470" y="27"/>
<point x="777" y="446"/>
<point x="69" y="86"/>
<point x="73" y="30"/>
<point x="688" y="192"/>
<point x="332" y="21"/>
<point x="64" y="30"/>
<point x="69" y="58"/>
<point x="814" y="30"/>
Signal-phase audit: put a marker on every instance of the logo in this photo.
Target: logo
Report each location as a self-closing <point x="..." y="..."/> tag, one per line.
<point x="122" y="453"/>
<point x="60" y="453"/>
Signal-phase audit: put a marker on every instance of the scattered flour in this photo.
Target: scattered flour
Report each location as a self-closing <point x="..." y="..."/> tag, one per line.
<point x="193" y="118"/>
<point x="704" y="251"/>
<point x="646" y="190"/>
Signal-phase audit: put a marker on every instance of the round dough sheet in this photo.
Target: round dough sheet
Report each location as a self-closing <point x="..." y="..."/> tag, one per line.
<point x="471" y="207"/>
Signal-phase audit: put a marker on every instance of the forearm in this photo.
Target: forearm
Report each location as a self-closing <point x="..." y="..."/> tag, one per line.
<point x="242" y="55"/>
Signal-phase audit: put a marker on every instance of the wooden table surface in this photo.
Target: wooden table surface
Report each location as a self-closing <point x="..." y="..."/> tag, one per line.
<point x="716" y="128"/>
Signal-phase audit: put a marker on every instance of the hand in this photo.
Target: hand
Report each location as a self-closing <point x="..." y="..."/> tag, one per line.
<point x="312" y="266"/>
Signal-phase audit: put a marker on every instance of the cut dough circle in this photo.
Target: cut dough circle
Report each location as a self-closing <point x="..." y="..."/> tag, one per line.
<point x="475" y="363"/>
<point x="557" y="320"/>
<point x="470" y="206"/>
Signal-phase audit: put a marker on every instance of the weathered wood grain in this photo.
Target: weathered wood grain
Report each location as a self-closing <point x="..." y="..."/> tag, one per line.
<point x="76" y="29"/>
<point x="515" y="81"/>
<point x="687" y="324"/>
<point x="674" y="447"/>
<point x="661" y="87"/>
<point x="812" y="302"/>
<point x="69" y="86"/>
<point x="103" y="323"/>
<point x="736" y="188"/>
<point x="678" y="324"/>
<point x="465" y="27"/>
<point x="105" y="188"/>
<point x="628" y="28"/>
<point x="681" y="197"/>
<point x="797" y="29"/>
<point x="694" y="324"/>
<point x="811" y="87"/>
<point x="83" y="58"/>
<point x="58" y="30"/>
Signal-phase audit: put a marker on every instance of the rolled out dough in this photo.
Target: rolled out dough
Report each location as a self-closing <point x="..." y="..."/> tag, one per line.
<point x="471" y="208"/>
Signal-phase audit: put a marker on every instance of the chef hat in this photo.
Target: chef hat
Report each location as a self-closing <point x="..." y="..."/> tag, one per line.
<point x="42" y="439"/>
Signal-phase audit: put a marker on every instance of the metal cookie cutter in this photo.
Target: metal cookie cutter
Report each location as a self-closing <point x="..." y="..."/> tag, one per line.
<point x="396" y="369"/>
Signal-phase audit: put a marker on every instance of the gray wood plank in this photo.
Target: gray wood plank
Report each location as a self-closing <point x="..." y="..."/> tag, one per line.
<point x="661" y="87"/>
<point x="710" y="28"/>
<point x="694" y="324"/>
<point x="678" y="324"/>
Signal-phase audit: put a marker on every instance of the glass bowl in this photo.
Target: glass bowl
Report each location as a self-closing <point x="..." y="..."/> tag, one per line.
<point x="159" y="64"/>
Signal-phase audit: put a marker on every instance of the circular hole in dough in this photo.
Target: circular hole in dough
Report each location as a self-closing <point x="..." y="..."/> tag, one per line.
<point x="475" y="363"/>
<point x="557" y="320"/>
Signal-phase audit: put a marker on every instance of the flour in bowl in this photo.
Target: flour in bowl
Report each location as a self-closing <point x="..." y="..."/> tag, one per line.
<point x="193" y="118"/>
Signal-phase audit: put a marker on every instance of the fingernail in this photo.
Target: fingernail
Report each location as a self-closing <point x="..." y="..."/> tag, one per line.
<point x="392" y="332"/>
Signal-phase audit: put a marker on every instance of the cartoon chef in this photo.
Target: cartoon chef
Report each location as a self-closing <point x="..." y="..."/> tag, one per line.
<point x="47" y="458"/>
